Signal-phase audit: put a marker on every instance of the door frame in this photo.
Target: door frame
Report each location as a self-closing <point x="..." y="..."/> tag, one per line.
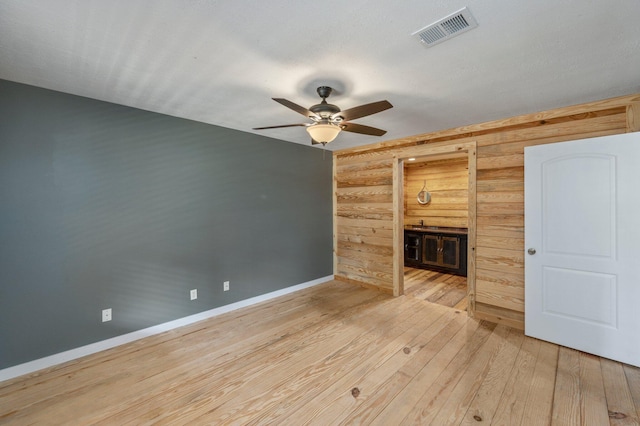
<point x="435" y="151"/>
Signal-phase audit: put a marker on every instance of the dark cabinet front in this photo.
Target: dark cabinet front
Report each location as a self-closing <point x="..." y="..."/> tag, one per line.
<point x="450" y="251"/>
<point x="431" y="249"/>
<point x="412" y="249"/>
<point x="444" y="252"/>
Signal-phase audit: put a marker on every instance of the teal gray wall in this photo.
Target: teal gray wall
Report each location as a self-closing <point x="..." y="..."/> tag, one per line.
<point x="106" y="206"/>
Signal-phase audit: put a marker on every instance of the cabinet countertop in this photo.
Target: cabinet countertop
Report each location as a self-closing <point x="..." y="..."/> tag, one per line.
<point x="436" y="229"/>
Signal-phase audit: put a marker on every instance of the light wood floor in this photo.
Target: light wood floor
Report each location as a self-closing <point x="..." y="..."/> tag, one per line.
<point x="435" y="287"/>
<point x="331" y="354"/>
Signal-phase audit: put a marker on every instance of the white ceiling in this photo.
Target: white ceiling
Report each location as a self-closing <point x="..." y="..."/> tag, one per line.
<point x="220" y="61"/>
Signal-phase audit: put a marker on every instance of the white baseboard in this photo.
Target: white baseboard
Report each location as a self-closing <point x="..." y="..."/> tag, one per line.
<point x="62" y="357"/>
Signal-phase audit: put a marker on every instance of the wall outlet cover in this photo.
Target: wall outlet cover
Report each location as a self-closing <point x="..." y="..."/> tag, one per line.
<point x="106" y="315"/>
<point x="225" y="286"/>
<point x="193" y="294"/>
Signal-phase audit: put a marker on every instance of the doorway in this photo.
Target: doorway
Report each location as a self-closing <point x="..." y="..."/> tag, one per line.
<point x="435" y="229"/>
<point x="426" y="153"/>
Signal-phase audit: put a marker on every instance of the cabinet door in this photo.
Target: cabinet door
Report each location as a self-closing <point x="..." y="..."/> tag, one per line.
<point x="450" y="250"/>
<point x="431" y="249"/>
<point x="412" y="247"/>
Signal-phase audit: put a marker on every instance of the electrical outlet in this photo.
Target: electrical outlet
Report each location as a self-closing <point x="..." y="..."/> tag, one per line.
<point x="194" y="294"/>
<point x="106" y="315"/>
<point x="225" y="286"/>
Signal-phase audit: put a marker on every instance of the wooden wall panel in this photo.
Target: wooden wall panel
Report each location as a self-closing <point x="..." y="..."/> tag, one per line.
<point x="363" y="208"/>
<point x="364" y="200"/>
<point x="447" y="181"/>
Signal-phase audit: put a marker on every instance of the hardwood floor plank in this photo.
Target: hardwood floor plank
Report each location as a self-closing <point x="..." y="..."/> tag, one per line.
<point x="349" y="370"/>
<point x="430" y="289"/>
<point x="422" y="394"/>
<point x="443" y="289"/>
<point x="493" y="387"/>
<point x="511" y="406"/>
<point x="566" y="401"/>
<point x="633" y="380"/>
<point x="449" y="282"/>
<point x="462" y="305"/>
<point x="620" y="405"/>
<point x="455" y="407"/>
<point x="457" y="293"/>
<point x="592" y="397"/>
<point x="428" y="362"/>
<point x="388" y="375"/>
<point x="244" y="376"/>
<point x="539" y="402"/>
<point x="320" y="365"/>
<point x="413" y="280"/>
<point x="471" y="334"/>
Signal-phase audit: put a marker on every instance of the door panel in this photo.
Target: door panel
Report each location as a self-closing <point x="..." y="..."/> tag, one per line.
<point x="569" y="211"/>
<point x="598" y="301"/>
<point x="582" y="281"/>
<point x="450" y="252"/>
<point x="431" y="247"/>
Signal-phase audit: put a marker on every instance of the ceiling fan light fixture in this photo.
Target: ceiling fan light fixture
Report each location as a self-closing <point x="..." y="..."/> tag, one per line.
<point x="323" y="133"/>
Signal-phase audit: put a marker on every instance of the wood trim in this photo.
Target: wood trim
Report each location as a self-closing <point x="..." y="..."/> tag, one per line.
<point x="398" y="226"/>
<point x="334" y="185"/>
<point x="437" y="150"/>
<point x="471" y="231"/>
<point x="622" y="101"/>
<point x="633" y="117"/>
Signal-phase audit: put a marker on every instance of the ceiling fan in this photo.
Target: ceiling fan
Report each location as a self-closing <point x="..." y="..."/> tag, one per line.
<point x="328" y="120"/>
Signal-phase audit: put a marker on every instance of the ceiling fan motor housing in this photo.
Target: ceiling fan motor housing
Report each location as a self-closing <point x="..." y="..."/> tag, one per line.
<point x="324" y="109"/>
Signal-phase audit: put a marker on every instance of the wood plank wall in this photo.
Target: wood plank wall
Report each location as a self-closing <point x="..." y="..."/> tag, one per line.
<point x="363" y="201"/>
<point x="447" y="181"/>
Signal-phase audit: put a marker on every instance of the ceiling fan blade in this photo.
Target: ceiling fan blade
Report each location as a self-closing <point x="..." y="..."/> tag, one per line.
<point x="360" y="128"/>
<point x="297" y="108"/>
<point x="277" y="127"/>
<point x="314" y="142"/>
<point x="363" y="110"/>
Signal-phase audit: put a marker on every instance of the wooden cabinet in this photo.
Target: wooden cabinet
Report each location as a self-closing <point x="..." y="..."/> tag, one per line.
<point x="413" y="248"/>
<point x="444" y="251"/>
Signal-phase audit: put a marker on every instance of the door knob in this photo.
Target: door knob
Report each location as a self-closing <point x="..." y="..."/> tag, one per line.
<point x="531" y="251"/>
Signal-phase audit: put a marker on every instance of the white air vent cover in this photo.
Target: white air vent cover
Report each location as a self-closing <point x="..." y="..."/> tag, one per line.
<point x="447" y="27"/>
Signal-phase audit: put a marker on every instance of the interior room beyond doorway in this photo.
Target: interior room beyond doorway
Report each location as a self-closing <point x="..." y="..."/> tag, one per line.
<point x="435" y="229"/>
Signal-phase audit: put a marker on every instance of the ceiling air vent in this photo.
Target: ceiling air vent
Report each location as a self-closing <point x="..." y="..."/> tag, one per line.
<point x="447" y="27"/>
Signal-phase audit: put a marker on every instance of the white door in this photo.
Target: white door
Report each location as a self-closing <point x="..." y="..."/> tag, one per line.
<point x="582" y="245"/>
